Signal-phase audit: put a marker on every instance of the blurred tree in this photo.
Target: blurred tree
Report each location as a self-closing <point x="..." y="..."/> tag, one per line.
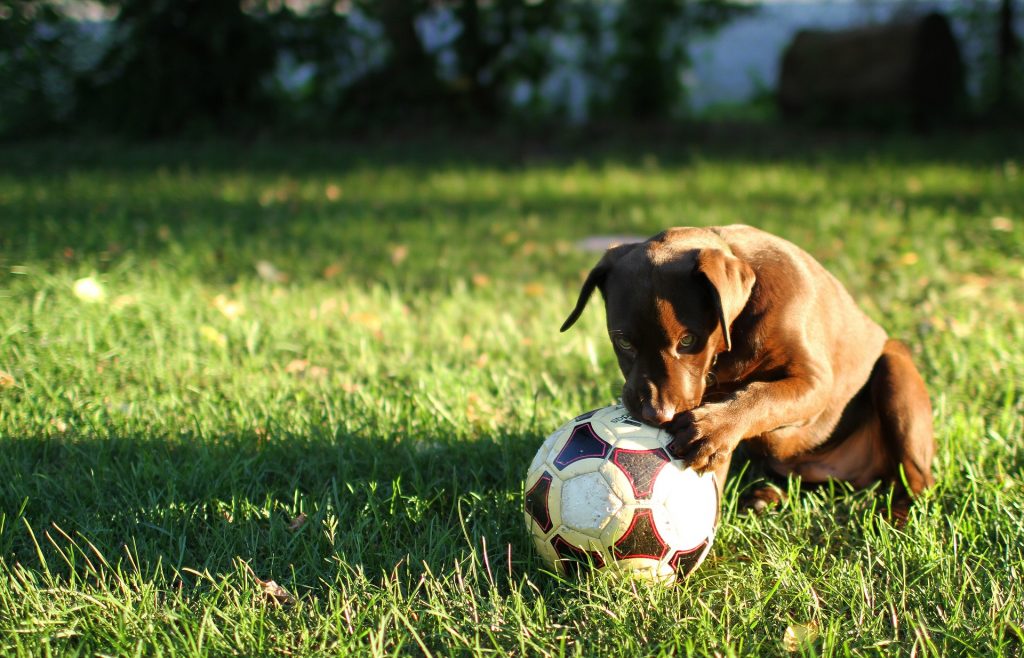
<point x="170" y="66"/>
<point x="175" y="65"/>
<point x="496" y="44"/>
<point x="31" y="63"/>
<point x="1009" y="85"/>
<point x="407" y="81"/>
<point x="651" y="54"/>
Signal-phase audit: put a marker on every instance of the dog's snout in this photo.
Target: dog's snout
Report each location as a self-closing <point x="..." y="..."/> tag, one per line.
<point x="656" y="415"/>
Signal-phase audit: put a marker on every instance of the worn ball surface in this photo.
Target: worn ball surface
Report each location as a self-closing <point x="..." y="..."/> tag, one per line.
<point x="603" y="492"/>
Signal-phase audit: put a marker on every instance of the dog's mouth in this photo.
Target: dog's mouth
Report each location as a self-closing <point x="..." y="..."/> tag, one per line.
<point x="657" y="415"/>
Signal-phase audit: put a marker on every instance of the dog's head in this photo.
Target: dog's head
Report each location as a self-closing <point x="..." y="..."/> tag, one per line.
<point x="670" y="302"/>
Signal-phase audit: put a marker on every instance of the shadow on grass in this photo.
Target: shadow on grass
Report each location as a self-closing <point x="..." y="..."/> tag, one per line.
<point x="203" y="503"/>
<point x="672" y="143"/>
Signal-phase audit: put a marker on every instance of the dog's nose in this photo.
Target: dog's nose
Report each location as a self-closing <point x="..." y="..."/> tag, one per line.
<point x="656" y="415"/>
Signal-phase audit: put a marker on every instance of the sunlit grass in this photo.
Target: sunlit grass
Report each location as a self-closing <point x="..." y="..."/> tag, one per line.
<point x="392" y="371"/>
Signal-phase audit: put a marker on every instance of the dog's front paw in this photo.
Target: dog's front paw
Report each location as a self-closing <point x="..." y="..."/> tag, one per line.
<point x="702" y="437"/>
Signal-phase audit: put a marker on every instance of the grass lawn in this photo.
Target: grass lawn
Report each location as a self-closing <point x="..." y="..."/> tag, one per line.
<point x="329" y="367"/>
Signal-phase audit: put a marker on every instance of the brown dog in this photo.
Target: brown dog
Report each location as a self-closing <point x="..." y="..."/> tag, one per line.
<point x="731" y="334"/>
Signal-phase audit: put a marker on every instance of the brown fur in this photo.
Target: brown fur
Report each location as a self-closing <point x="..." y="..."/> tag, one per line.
<point x="782" y="358"/>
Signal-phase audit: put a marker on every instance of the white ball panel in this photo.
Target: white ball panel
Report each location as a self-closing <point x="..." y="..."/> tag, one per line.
<point x="645" y="569"/>
<point x="619" y="482"/>
<point x="545" y="448"/>
<point x="685" y="506"/>
<point x="588" y="503"/>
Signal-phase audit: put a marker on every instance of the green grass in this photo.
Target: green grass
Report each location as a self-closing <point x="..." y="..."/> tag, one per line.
<point x="155" y="446"/>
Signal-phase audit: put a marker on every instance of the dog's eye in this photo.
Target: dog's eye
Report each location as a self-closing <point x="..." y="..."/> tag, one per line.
<point x="622" y="343"/>
<point x="687" y="341"/>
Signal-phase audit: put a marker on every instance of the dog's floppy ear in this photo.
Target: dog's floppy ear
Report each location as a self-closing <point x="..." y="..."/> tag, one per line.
<point x="731" y="281"/>
<point x="596" y="279"/>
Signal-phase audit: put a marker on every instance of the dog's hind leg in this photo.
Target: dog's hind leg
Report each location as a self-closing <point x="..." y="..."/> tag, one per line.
<point x="904" y="411"/>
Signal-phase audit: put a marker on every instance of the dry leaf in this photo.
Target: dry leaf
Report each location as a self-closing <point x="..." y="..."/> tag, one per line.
<point x="398" y="254"/>
<point x="59" y="425"/>
<point x="271" y="589"/>
<point x="534" y="289"/>
<point x="479" y="410"/>
<point x="269" y="273"/>
<point x="298" y="522"/>
<point x="908" y="258"/>
<point x="333" y="270"/>
<point x="364" y="319"/>
<point x="481" y="280"/>
<point x="275" y="592"/>
<point x="798" y="635"/>
<point x="1002" y="224"/>
<point x="230" y="308"/>
<point x="302" y="368"/>
<point x="89" y="290"/>
<point x="123" y="301"/>
<point x="332" y="192"/>
<point x="211" y="335"/>
<point x="6" y="380"/>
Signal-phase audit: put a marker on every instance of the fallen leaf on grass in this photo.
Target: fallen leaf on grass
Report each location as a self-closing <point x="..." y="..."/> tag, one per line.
<point x="367" y="320"/>
<point x="6" y="380"/>
<point x="302" y="368"/>
<point x="275" y="592"/>
<point x="123" y="301"/>
<point x="211" y="335"/>
<point x="332" y="192"/>
<point x="296" y="366"/>
<point x="89" y="290"/>
<point x="534" y="289"/>
<point x="271" y="589"/>
<point x="298" y="522"/>
<point x="479" y="411"/>
<point x="333" y="270"/>
<point x="398" y="254"/>
<point x="59" y="425"/>
<point x="908" y="258"/>
<point x="230" y="308"/>
<point x="799" y="635"/>
<point x="268" y="272"/>
<point x="1004" y="224"/>
<point x="481" y="280"/>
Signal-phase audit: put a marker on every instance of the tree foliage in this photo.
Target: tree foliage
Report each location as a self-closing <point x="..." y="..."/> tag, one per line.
<point x="173" y="66"/>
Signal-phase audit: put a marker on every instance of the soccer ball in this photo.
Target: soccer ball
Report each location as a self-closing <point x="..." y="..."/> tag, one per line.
<point x="603" y="492"/>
